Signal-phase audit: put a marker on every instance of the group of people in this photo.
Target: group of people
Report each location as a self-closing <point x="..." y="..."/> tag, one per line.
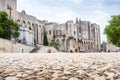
<point x="75" y="50"/>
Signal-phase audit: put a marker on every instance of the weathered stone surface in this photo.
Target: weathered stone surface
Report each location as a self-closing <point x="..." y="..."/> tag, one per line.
<point x="25" y="75"/>
<point x="110" y="75"/>
<point x="100" y="78"/>
<point x="81" y="72"/>
<point x="11" y="78"/>
<point x="19" y="75"/>
<point x="59" y="79"/>
<point x="29" y="72"/>
<point x="32" y="77"/>
<point x="44" y="67"/>
<point x="42" y="79"/>
<point x="67" y="72"/>
<point x="73" y="78"/>
<point x="1" y="78"/>
<point x="1" y="70"/>
<point x="55" y="75"/>
<point x="104" y="68"/>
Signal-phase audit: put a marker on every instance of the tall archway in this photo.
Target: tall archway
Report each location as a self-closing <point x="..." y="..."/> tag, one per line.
<point x="63" y="44"/>
<point x="71" y="43"/>
<point x="18" y="22"/>
<point x="68" y="45"/>
<point x="33" y="26"/>
<point x="24" y="24"/>
<point x="29" y="26"/>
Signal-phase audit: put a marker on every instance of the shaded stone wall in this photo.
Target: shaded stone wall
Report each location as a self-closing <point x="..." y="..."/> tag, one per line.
<point x="50" y="31"/>
<point x="31" y="29"/>
<point x="14" y="47"/>
<point x="108" y="47"/>
<point x="83" y="34"/>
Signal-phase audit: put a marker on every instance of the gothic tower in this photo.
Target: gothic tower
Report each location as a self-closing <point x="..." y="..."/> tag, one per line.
<point x="9" y="6"/>
<point x="77" y="20"/>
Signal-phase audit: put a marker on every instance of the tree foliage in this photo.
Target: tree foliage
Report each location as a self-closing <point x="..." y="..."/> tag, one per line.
<point x="8" y="28"/>
<point x="54" y="44"/>
<point x="112" y="30"/>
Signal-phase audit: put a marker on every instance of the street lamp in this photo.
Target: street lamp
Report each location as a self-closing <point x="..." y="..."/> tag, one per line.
<point x="10" y="10"/>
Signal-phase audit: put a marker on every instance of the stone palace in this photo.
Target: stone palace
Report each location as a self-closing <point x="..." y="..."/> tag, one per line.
<point x="79" y="34"/>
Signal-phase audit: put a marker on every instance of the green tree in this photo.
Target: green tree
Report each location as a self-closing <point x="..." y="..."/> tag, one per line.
<point x="8" y="28"/>
<point x="45" y="41"/>
<point x="112" y="30"/>
<point x="54" y="44"/>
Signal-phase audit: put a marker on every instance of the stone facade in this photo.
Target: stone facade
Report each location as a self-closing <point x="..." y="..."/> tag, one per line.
<point x="7" y="46"/>
<point x="81" y="34"/>
<point x="31" y="29"/>
<point x="108" y="47"/>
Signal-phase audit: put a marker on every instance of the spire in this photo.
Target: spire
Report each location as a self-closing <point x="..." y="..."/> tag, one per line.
<point x="76" y="20"/>
<point x="79" y="21"/>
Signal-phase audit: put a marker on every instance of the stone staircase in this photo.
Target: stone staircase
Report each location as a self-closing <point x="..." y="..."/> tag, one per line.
<point x="43" y="49"/>
<point x="35" y="49"/>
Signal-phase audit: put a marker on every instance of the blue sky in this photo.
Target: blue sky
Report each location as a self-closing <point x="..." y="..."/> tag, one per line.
<point x="96" y="11"/>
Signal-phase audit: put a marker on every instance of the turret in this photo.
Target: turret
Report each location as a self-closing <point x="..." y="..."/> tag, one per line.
<point x="77" y="20"/>
<point x="9" y="6"/>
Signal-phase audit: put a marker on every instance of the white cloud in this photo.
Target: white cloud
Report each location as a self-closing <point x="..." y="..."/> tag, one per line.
<point x="41" y="11"/>
<point x="76" y="1"/>
<point x="56" y="14"/>
<point x="59" y="14"/>
<point x="97" y="16"/>
<point x="100" y="14"/>
<point x="101" y="17"/>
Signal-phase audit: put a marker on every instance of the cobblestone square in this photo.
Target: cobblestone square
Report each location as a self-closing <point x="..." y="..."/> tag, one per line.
<point x="60" y="66"/>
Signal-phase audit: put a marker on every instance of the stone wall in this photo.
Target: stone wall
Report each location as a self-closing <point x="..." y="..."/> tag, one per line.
<point x="108" y="47"/>
<point x="11" y="46"/>
<point x="30" y="28"/>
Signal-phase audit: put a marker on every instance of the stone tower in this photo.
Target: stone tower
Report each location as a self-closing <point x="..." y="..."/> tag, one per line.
<point x="77" y="20"/>
<point x="9" y="6"/>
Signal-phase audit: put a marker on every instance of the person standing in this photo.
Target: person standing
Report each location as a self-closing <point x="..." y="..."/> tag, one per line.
<point x="71" y="51"/>
<point x="75" y="50"/>
<point x="49" y="50"/>
<point x="79" y="49"/>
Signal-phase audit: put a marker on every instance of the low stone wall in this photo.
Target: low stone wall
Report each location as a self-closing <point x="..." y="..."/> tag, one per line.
<point x="44" y="49"/>
<point x="11" y="46"/>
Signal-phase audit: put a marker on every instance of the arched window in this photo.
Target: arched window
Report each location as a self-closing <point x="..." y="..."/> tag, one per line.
<point x="24" y="24"/>
<point x="74" y="32"/>
<point x="49" y="32"/>
<point x="32" y="26"/>
<point x="17" y="21"/>
<point x="57" y="41"/>
<point x="40" y="26"/>
<point x="29" y="26"/>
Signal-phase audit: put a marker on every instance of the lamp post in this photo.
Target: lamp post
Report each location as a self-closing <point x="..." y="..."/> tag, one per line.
<point x="10" y="10"/>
